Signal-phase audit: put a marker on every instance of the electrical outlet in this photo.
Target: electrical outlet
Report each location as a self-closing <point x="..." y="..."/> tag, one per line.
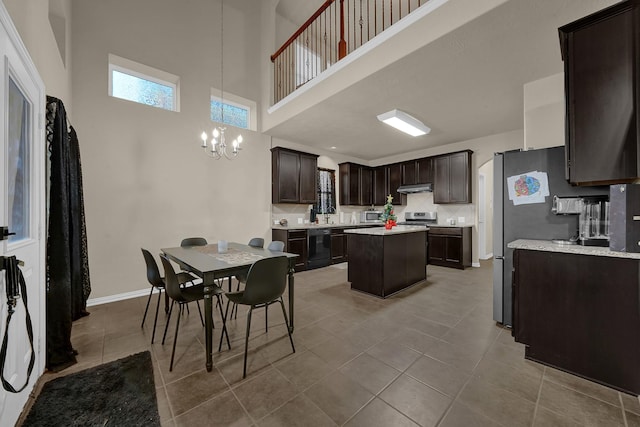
<point x="460" y="220"/>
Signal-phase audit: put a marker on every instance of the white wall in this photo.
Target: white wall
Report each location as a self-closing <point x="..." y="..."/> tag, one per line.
<point x="487" y="171"/>
<point x="544" y="112"/>
<point x="147" y="182"/>
<point x="31" y="18"/>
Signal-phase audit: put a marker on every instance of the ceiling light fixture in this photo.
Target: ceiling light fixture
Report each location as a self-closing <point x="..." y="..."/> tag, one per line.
<point x="404" y="122"/>
<point x="218" y="144"/>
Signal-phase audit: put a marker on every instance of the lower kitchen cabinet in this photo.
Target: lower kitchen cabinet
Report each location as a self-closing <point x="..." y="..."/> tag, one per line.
<point x="338" y="246"/>
<point x="295" y="242"/>
<point x="450" y="246"/>
<point x="580" y="313"/>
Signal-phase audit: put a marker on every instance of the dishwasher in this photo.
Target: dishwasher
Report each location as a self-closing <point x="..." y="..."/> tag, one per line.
<point x="319" y="254"/>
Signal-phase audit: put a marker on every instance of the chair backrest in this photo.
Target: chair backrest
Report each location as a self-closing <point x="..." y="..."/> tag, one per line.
<point x="266" y="280"/>
<point x="276" y="246"/>
<point x="172" y="286"/>
<point x="257" y="242"/>
<point x="194" y="241"/>
<point x="153" y="273"/>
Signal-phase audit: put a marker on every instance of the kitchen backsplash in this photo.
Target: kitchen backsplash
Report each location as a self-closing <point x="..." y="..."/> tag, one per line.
<point x="419" y="202"/>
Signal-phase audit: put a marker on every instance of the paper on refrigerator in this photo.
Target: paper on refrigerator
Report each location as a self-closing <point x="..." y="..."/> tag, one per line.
<point x="527" y="188"/>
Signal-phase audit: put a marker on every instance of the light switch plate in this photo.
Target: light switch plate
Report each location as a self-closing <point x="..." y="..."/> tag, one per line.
<point x="460" y="220"/>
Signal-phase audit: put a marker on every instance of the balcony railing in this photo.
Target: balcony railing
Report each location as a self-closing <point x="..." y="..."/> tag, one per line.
<point x="336" y="29"/>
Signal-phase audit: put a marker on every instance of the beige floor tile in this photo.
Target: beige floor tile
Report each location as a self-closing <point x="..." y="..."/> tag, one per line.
<point x="396" y="356"/>
<point x="336" y="351"/>
<point x="189" y="392"/>
<point x="461" y="415"/>
<point x="496" y="403"/>
<point x="444" y="378"/>
<point x="417" y="401"/>
<point x="590" y="388"/>
<point x="378" y="413"/>
<point x="580" y="408"/>
<point x="339" y="396"/>
<point x="631" y="403"/>
<point x="370" y="373"/>
<point x="523" y="383"/>
<point x="265" y="393"/>
<point x="299" y="411"/>
<point x="223" y="410"/>
<point x="304" y="369"/>
<point x="546" y="418"/>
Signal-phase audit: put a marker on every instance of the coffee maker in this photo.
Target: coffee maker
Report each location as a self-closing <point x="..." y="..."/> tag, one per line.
<point x="593" y="224"/>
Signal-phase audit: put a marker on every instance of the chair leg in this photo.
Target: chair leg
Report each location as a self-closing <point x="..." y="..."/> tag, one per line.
<point x="155" y="321"/>
<point x="224" y="323"/>
<point x="246" y="343"/>
<point x="200" y="311"/>
<point x="188" y="312"/>
<point x="286" y="323"/>
<point x="175" y="340"/>
<point x="224" y="327"/>
<point x="147" y="308"/>
<point x="166" y="327"/>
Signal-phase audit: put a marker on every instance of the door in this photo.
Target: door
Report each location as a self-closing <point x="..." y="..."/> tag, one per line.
<point x="22" y="195"/>
<point x="482" y="237"/>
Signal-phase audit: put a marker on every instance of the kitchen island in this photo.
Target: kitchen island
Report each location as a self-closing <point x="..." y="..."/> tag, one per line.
<point x="383" y="262"/>
<point x="577" y="308"/>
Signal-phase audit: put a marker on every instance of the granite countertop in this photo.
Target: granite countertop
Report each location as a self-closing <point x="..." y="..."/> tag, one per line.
<point x="314" y="226"/>
<point x="451" y="226"/>
<point x="548" y="246"/>
<point x="381" y="231"/>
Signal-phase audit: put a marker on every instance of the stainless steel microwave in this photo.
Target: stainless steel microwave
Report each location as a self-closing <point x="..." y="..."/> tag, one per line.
<point x="370" y="216"/>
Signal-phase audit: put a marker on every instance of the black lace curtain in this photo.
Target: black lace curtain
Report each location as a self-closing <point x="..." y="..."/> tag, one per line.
<point x="68" y="285"/>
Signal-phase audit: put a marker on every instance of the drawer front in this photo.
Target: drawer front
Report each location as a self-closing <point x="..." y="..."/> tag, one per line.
<point x="297" y="234"/>
<point x="448" y="231"/>
<point x="338" y="230"/>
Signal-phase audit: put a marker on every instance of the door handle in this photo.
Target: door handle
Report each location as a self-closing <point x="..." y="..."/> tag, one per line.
<point x="4" y="233"/>
<point x="499" y="257"/>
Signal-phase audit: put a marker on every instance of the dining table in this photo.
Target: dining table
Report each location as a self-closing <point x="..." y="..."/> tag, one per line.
<point x="212" y="263"/>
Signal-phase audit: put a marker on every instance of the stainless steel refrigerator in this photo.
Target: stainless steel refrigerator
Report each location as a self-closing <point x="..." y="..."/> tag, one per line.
<point x="527" y="221"/>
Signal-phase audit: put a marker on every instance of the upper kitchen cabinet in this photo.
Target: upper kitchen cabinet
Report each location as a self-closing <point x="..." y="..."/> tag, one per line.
<point x="452" y="178"/>
<point x="380" y="185"/>
<point x="419" y="171"/>
<point x="356" y="184"/>
<point x="293" y="176"/>
<point x="600" y="53"/>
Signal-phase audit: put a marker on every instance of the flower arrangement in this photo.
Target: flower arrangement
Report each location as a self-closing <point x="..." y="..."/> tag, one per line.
<point x="387" y="216"/>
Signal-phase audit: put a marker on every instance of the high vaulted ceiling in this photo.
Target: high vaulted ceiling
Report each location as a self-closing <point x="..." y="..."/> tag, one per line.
<point x="467" y="84"/>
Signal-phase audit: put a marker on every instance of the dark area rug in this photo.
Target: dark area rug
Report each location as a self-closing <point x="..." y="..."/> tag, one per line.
<point x="119" y="393"/>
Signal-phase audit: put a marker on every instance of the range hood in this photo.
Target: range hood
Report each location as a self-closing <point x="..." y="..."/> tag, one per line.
<point x="415" y="188"/>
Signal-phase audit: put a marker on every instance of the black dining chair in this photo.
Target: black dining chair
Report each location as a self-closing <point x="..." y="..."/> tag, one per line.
<point x="265" y="284"/>
<point x="183" y="296"/>
<point x="157" y="282"/>
<point x="194" y="241"/>
<point x="255" y="242"/>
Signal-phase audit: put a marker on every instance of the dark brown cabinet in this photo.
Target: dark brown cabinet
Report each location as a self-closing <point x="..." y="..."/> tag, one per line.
<point x="295" y="242"/>
<point x="419" y="171"/>
<point x="356" y="184"/>
<point x="338" y="245"/>
<point x="294" y="176"/>
<point x="580" y="313"/>
<point x="450" y="246"/>
<point x="452" y="178"/>
<point x="600" y="54"/>
<point x="380" y="185"/>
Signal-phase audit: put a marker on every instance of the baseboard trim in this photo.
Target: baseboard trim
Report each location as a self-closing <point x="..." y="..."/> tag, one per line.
<point x="119" y="297"/>
<point x="487" y="256"/>
<point x="475" y="264"/>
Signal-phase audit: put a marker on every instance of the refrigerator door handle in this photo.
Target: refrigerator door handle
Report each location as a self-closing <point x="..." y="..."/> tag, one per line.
<point x="499" y="257"/>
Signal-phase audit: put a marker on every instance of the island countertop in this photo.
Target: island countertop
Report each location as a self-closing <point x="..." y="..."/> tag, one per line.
<point x="548" y="246"/>
<point x="381" y="231"/>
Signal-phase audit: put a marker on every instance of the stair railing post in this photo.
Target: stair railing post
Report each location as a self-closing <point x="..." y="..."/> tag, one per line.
<point x="342" y="44"/>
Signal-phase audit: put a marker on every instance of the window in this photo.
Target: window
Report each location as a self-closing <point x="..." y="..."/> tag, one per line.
<point x="233" y="110"/>
<point x="18" y="160"/>
<point x="142" y="84"/>
<point x="326" y="191"/>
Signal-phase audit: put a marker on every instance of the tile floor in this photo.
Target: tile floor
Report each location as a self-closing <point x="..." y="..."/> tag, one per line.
<point x="430" y="356"/>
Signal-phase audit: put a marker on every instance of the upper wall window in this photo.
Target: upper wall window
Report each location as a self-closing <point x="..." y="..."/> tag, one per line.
<point x="233" y="110"/>
<point x="143" y="84"/>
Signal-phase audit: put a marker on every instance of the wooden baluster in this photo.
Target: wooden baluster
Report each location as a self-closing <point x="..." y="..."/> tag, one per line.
<point x="342" y="45"/>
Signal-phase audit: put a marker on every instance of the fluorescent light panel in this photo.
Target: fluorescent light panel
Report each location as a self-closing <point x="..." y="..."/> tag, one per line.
<point x="404" y="122"/>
